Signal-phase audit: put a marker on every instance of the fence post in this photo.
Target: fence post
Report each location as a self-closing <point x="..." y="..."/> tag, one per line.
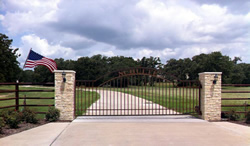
<point x="17" y="95"/>
<point x="64" y="93"/>
<point x="210" y="95"/>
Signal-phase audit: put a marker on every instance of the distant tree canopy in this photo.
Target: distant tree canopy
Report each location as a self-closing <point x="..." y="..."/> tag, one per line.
<point x="90" y="68"/>
<point x="9" y="66"/>
<point x="213" y="62"/>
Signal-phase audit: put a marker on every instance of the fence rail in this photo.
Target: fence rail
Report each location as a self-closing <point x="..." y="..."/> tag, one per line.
<point x="16" y="91"/>
<point x="245" y="105"/>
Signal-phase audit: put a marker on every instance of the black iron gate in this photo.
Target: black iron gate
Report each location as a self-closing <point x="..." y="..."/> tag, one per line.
<point x="136" y="91"/>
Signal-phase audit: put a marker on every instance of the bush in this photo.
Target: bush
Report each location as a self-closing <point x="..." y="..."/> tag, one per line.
<point x="53" y="114"/>
<point x="2" y="124"/>
<point x="11" y="118"/>
<point x="232" y="115"/>
<point x="28" y="116"/>
<point x="223" y="115"/>
<point x="248" y="118"/>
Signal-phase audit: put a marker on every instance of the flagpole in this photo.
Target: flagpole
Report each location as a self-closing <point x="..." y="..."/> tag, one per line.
<point x="27" y="58"/>
<point x="23" y="65"/>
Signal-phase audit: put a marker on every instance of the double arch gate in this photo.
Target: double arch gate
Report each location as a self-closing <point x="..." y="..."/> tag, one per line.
<point x="136" y="91"/>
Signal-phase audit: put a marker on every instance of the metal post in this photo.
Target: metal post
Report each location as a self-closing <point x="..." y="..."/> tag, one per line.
<point x="17" y="96"/>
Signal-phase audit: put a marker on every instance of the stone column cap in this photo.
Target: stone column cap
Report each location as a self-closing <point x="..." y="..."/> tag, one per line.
<point x="209" y="73"/>
<point x="66" y="71"/>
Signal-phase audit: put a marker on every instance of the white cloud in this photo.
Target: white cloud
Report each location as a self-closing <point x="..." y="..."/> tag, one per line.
<point x="42" y="47"/>
<point x="1" y="17"/>
<point x="137" y="28"/>
<point x="28" y="16"/>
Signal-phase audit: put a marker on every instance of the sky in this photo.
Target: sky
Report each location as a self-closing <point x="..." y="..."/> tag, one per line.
<point x="167" y="29"/>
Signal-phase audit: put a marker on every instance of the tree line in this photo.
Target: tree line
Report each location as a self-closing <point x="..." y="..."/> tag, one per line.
<point x="90" y="68"/>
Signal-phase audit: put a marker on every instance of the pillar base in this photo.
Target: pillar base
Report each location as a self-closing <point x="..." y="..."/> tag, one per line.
<point x="210" y="96"/>
<point x="64" y="93"/>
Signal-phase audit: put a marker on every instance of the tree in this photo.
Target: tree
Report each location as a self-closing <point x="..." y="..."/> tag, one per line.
<point x="181" y="68"/>
<point x="120" y="62"/>
<point x="10" y="70"/>
<point x="213" y="62"/>
<point x="236" y="59"/>
<point x="27" y="76"/>
<point x="246" y="70"/>
<point x="237" y="75"/>
<point x="151" y="62"/>
<point x="90" y="68"/>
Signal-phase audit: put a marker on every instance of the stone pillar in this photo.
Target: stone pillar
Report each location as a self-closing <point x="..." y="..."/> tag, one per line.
<point x="64" y="94"/>
<point x="210" y="96"/>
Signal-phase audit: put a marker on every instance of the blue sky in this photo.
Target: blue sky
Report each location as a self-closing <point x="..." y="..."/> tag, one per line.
<point x="160" y="28"/>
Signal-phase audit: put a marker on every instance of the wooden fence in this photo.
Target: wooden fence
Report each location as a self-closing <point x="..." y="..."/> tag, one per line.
<point x="12" y="91"/>
<point x="245" y="104"/>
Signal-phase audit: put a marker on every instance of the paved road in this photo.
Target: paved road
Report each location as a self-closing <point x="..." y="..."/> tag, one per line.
<point x="136" y="131"/>
<point x="182" y="133"/>
<point x="121" y="102"/>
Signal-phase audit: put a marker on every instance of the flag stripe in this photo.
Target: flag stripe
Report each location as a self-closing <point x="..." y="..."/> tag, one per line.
<point x="35" y="59"/>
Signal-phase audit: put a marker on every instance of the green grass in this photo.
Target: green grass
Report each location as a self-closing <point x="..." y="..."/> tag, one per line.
<point x="84" y="100"/>
<point x="236" y="102"/>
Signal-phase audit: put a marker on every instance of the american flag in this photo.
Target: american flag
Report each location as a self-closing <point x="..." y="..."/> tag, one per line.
<point x="35" y="59"/>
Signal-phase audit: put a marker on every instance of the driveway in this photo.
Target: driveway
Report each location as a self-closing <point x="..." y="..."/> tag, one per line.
<point x="118" y="103"/>
<point x="133" y="131"/>
<point x="151" y="131"/>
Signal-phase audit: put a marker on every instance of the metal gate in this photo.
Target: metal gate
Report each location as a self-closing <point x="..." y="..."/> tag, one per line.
<point x="136" y="91"/>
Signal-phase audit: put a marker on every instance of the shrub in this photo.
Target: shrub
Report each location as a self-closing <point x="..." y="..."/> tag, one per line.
<point x="232" y="115"/>
<point x="11" y="118"/>
<point x="248" y="118"/>
<point x="223" y="115"/>
<point x="53" y="114"/>
<point x="28" y="116"/>
<point x="2" y="124"/>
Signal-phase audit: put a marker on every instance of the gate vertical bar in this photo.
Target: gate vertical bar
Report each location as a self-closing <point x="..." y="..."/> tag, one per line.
<point x="159" y="96"/>
<point x="75" y="94"/>
<point x="110" y="99"/>
<point x="85" y="98"/>
<point x="124" y="85"/>
<point x="193" y="100"/>
<point x="81" y="101"/>
<point x="176" y="98"/>
<point x="113" y="98"/>
<point x="144" y="94"/>
<point x="190" y="100"/>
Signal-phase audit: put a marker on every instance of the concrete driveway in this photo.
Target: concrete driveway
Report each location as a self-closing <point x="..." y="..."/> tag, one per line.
<point x="111" y="100"/>
<point x="156" y="130"/>
<point x="151" y="131"/>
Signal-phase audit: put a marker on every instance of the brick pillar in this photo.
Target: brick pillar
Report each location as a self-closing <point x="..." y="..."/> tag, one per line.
<point x="64" y="94"/>
<point x="210" y="96"/>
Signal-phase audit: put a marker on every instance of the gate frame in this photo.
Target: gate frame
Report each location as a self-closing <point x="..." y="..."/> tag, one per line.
<point x="151" y="72"/>
<point x="210" y="105"/>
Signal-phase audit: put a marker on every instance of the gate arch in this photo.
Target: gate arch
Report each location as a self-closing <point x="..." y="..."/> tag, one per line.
<point x="136" y="91"/>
